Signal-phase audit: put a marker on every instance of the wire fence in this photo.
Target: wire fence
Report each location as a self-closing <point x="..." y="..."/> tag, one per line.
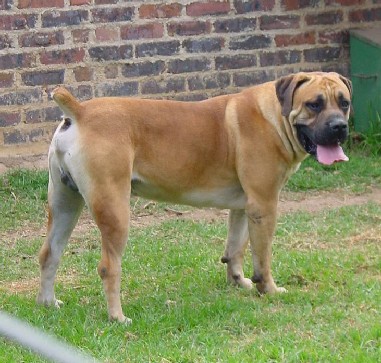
<point x="39" y="342"/>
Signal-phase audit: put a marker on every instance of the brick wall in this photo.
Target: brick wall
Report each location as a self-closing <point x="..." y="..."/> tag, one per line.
<point x="185" y="49"/>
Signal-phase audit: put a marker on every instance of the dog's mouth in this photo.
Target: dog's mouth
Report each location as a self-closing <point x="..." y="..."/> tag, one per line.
<point x="324" y="154"/>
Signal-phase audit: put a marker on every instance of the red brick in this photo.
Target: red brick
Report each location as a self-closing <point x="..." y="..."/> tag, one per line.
<point x="209" y="8"/>
<point x="326" y="18"/>
<point x="5" y="4"/>
<point x="189" y="65"/>
<point x="345" y="2"/>
<point x="234" y="25"/>
<point x="6" y="41"/>
<point x="23" y="4"/>
<point x="107" y="53"/>
<point x="110" y="15"/>
<point x="160" y="10"/>
<point x="189" y="28"/>
<point x="55" y="18"/>
<point x="83" y="74"/>
<point x="66" y="56"/>
<point x="18" y="137"/>
<point x="111" y="71"/>
<point x="365" y="15"/>
<point x="23" y="60"/>
<point x="80" y="2"/>
<point x="297" y="4"/>
<point x="17" y="22"/>
<point x="6" y="80"/>
<point x="244" y="79"/>
<point x="235" y="61"/>
<point x="153" y="86"/>
<point x="334" y="36"/>
<point x="41" y="39"/>
<point x="80" y="35"/>
<point x="295" y="39"/>
<point x="105" y="2"/>
<point x="247" y="6"/>
<point x="151" y="30"/>
<point x="34" y="116"/>
<point x="322" y="55"/>
<point x="9" y="119"/>
<point x="21" y="98"/>
<point x="281" y="57"/>
<point x="271" y="22"/>
<point x="39" y="77"/>
<point x="104" y="34"/>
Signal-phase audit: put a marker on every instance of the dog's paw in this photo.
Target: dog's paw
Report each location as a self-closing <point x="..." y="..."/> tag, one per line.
<point x="281" y="290"/>
<point x="49" y="301"/>
<point x="245" y="283"/>
<point x="58" y="303"/>
<point x="121" y="319"/>
<point x="127" y="321"/>
<point x="275" y="290"/>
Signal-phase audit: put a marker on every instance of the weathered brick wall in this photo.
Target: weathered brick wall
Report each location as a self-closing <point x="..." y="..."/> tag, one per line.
<point x="185" y="49"/>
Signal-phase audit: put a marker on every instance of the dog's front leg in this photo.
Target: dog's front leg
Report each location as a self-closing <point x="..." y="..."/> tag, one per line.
<point x="262" y="221"/>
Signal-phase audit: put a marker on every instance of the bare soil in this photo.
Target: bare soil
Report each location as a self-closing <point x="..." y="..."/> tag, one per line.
<point x="290" y="202"/>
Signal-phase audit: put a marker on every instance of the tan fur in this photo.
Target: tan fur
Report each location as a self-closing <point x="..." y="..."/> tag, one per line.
<point x="234" y="151"/>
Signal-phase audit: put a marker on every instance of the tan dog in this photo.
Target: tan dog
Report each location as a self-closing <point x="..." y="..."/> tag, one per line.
<point x="235" y="151"/>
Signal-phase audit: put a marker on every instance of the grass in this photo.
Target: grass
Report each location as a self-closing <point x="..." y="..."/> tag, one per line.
<point x="174" y="288"/>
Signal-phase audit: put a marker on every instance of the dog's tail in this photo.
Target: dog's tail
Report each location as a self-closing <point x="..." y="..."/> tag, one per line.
<point x="67" y="102"/>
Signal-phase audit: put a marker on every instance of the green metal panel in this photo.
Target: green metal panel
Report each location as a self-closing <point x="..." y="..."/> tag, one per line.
<point x="365" y="48"/>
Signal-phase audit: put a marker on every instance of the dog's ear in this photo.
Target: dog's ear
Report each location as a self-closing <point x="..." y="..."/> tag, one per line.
<point x="348" y="83"/>
<point x="285" y="89"/>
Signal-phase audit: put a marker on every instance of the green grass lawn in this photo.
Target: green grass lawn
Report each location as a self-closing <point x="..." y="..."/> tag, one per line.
<point x="174" y="288"/>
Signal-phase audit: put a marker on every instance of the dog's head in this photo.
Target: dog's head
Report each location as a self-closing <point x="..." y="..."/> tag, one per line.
<point x="317" y="105"/>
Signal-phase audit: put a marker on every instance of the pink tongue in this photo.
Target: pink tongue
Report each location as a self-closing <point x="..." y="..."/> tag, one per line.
<point x="327" y="155"/>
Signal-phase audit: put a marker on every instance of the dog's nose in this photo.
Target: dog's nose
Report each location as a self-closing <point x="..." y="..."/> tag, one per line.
<point x="338" y="125"/>
<point x="337" y="128"/>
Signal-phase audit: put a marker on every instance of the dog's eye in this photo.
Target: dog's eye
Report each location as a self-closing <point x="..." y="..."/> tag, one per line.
<point x="314" y="106"/>
<point x="344" y="104"/>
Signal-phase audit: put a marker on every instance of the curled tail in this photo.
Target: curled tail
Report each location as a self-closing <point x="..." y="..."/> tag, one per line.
<point x="67" y="102"/>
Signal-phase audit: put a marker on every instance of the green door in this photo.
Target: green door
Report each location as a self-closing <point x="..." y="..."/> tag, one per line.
<point x="365" y="48"/>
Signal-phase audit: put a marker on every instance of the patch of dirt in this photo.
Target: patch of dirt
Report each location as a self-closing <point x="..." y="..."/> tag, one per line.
<point x="318" y="201"/>
<point x="290" y="202"/>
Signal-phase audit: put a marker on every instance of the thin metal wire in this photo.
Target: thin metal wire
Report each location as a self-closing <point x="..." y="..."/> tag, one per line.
<point x="40" y="342"/>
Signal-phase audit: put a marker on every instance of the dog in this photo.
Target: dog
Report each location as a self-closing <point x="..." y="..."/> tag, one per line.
<point x="231" y="152"/>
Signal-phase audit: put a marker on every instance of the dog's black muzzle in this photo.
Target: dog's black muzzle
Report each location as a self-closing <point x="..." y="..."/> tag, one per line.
<point x="332" y="131"/>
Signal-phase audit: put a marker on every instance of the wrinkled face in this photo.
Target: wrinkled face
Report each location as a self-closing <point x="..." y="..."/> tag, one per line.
<point x="318" y="105"/>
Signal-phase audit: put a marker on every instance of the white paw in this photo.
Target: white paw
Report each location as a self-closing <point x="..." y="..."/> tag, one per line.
<point x="246" y="283"/>
<point x="281" y="289"/>
<point x="49" y="301"/>
<point x="57" y="303"/>
<point x="276" y="290"/>
<point x="127" y="321"/>
<point x="121" y="319"/>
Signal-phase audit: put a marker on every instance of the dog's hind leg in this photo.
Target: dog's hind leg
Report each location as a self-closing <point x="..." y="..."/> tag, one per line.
<point x="65" y="206"/>
<point x="111" y="213"/>
<point x="237" y="241"/>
